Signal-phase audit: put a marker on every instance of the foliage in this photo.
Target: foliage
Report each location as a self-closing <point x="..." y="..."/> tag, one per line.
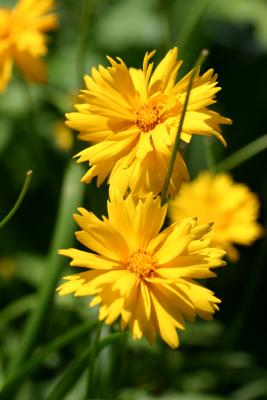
<point x="221" y="359"/>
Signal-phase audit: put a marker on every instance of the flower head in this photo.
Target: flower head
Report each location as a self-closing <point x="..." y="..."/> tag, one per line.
<point x="63" y="136"/>
<point x="232" y="207"/>
<point x="131" y="116"/>
<point x="22" y="39"/>
<point x="144" y="276"/>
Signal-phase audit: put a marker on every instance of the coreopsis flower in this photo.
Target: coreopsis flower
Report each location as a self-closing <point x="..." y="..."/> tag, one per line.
<point x="7" y="268"/>
<point x="62" y="136"/>
<point x="22" y="39"/>
<point x="231" y="206"/>
<point x="131" y="116"/>
<point x="139" y="274"/>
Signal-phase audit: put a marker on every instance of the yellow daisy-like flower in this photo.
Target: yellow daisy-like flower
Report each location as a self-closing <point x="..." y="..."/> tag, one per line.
<point x="132" y="115"/>
<point x="231" y="206"/>
<point x="63" y="136"/>
<point x="143" y="276"/>
<point x="22" y="39"/>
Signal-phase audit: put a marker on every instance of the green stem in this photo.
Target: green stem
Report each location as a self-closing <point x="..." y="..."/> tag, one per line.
<point x="250" y="292"/>
<point x="20" y="199"/>
<point x="82" y="40"/>
<point x="209" y="154"/>
<point x="90" y="385"/>
<point x="242" y="155"/>
<point x="119" y="365"/>
<point x="165" y="25"/>
<point x="164" y="193"/>
<point x="76" y="369"/>
<point x="32" y="132"/>
<point x="194" y="17"/>
<point x="71" y="197"/>
<point x="14" y="381"/>
<point x="16" y="309"/>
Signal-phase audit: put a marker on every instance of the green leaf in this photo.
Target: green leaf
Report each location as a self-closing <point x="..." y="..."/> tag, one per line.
<point x="130" y="23"/>
<point x="252" y="391"/>
<point x="76" y="369"/>
<point x="14" y="103"/>
<point x="5" y="134"/>
<point x="30" y="268"/>
<point x="71" y="197"/>
<point x="202" y="333"/>
<point x="14" y="381"/>
<point x="242" y="155"/>
<point x="244" y="11"/>
<point x="16" y="309"/>
<point x="133" y="394"/>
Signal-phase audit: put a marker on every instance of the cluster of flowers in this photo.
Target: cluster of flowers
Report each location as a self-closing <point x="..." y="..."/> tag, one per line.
<point x="135" y="270"/>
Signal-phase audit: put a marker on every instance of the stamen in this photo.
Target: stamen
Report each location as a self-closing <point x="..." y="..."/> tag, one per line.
<point x="147" y="117"/>
<point x="142" y="264"/>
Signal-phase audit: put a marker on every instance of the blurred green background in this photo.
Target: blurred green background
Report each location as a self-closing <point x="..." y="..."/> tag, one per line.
<point x="222" y="359"/>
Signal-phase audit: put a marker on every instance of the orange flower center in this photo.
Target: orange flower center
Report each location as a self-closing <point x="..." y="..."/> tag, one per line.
<point x="147" y="117"/>
<point x="142" y="264"/>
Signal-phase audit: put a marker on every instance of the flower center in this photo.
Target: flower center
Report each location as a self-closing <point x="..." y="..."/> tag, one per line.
<point x="147" y="117"/>
<point x="142" y="264"/>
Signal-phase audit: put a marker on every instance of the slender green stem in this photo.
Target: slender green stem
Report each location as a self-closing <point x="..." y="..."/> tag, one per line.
<point x="190" y="24"/>
<point x="32" y="132"/>
<point x="92" y="360"/>
<point x="165" y="25"/>
<point x="20" y="199"/>
<point x="164" y="193"/>
<point x="77" y="368"/>
<point x="14" y="381"/>
<point x="209" y="154"/>
<point x="242" y="155"/>
<point x="71" y="198"/>
<point x="16" y="309"/>
<point x="82" y="40"/>
<point x="250" y="292"/>
<point x="118" y="365"/>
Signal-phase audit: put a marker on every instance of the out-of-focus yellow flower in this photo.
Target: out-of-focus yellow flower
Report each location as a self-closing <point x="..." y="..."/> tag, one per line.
<point x="63" y="136"/>
<point x="143" y="276"/>
<point x="7" y="267"/>
<point x="232" y="207"/>
<point x="132" y="115"/>
<point x="22" y="39"/>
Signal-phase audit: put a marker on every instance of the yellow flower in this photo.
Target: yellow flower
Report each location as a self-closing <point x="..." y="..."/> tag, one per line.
<point x="22" y="39"/>
<point x="139" y="274"/>
<point x="231" y="206"/>
<point x="7" y="267"/>
<point x="131" y="116"/>
<point x="63" y="136"/>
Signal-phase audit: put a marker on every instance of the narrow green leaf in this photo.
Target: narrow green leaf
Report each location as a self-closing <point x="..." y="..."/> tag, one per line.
<point x="92" y="360"/>
<point x="76" y="369"/>
<point x="190" y="24"/>
<point x="16" y="309"/>
<point x="14" y="381"/>
<point x="242" y="155"/>
<point x="71" y="198"/>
